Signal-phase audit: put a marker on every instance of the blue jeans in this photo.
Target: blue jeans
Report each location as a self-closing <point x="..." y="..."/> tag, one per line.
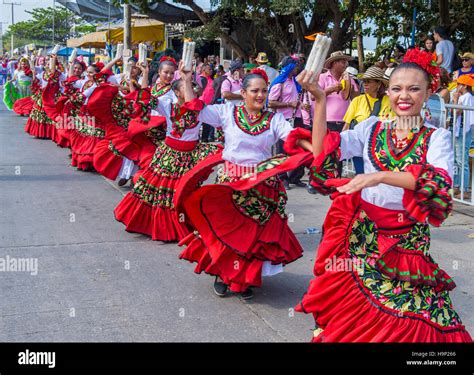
<point x="458" y="155"/>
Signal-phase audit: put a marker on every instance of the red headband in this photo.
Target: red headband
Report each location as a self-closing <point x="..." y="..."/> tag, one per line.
<point x="261" y="73"/>
<point x="168" y="58"/>
<point x="426" y="62"/>
<point x="100" y="65"/>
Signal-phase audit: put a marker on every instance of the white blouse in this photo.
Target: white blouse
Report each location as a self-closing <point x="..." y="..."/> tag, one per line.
<point x="240" y="147"/>
<point x="356" y="143"/>
<point x="164" y="109"/>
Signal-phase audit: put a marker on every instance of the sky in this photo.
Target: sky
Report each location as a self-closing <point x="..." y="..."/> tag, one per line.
<point x="21" y="15"/>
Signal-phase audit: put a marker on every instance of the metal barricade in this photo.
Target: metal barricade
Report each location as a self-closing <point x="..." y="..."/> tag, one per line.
<point x="464" y="157"/>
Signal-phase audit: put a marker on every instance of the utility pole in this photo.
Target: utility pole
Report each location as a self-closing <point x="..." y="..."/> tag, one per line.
<point x="127" y="27"/>
<point x="13" y="22"/>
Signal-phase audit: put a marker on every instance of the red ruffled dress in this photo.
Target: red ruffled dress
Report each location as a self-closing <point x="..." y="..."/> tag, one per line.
<point x="375" y="280"/>
<point x="110" y="152"/>
<point x="240" y="222"/>
<point x="23" y="106"/>
<point x="39" y="125"/>
<point x="149" y="208"/>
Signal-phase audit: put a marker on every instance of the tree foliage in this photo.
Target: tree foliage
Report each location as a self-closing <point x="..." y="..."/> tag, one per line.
<point x="39" y="29"/>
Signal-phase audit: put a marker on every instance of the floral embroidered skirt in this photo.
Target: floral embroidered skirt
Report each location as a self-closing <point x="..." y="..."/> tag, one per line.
<point x="376" y="281"/>
<point x="83" y="139"/>
<point x="39" y="124"/>
<point x="149" y="208"/>
<point x="240" y="224"/>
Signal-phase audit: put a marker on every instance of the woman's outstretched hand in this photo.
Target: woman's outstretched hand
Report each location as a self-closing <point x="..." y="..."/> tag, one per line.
<point x="309" y="82"/>
<point x="361" y="181"/>
<point x="184" y="74"/>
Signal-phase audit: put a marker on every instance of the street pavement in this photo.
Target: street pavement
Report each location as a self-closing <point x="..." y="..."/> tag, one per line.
<point x="97" y="283"/>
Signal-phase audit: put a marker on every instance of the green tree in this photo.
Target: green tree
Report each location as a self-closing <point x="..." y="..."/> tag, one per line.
<point x="39" y="29"/>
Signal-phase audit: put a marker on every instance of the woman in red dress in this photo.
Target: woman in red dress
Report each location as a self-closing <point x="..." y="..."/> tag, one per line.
<point x="149" y="208"/>
<point x="375" y="280"/>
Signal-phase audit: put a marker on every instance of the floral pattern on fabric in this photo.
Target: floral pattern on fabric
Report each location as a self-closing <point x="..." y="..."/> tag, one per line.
<point x="401" y="297"/>
<point x="171" y="163"/>
<point x="160" y="90"/>
<point x="154" y="196"/>
<point x="259" y="207"/>
<point x="113" y="149"/>
<point x="383" y="155"/>
<point x="121" y="111"/>
<point x="431" y="199"/>
<point x="40" y="116"/>
<point x="187" y="120"/>
<point x="248" y="126"/>
<point x="156" y="134"/>
<point x="318" y="174"/>
<point x="88" y="130"/>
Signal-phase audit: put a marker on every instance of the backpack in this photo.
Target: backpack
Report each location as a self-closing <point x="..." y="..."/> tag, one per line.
<point x="217" y="84"/>
<point x="456" y="63"/>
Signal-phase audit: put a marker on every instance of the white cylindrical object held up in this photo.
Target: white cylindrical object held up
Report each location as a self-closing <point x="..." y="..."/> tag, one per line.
<point x="324" y="52"/>
<point x="73" y="55"/>
<point x="187" y="62"/>
<point x="317" y="54"/>
<point x="119" y="52"/>
<point x="311" y="54"/>
<point x="55" y="49"/>
<point x="185" y="53"/>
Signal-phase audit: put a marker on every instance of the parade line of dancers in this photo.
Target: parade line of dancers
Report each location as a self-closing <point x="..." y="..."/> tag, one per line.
<point x="236" y="229"/>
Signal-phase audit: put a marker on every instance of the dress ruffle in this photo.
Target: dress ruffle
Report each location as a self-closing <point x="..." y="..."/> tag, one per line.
<point x="107" y="161"/>
<point x="23" y="107"/>
<point x="345" y="313"/>
<point x="240" y="223"/>
<point x="431" y="199"/>
<point x="411" y="266"/>
<point x="38" y="124"/>
<point x="349" y="308"/>
<point x="149" y="208"/>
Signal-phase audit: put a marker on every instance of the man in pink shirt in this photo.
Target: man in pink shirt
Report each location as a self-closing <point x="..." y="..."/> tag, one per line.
<point x="230" y="89"/>
<point x="330" y="82"/>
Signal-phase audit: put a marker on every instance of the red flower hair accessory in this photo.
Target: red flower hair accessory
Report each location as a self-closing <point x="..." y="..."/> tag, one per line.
<point x="261" y="73"/>
<point x="99" y="65"/>
<point x="426" y="62"/>
<point x="168" y="58"/>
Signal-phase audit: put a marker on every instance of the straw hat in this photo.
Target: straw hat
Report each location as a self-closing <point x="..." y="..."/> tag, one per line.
<point x="262" y="58"/>
<point x="338" y="55"/>
<point x="375" y="73"/>
<point x="468" y="55"/>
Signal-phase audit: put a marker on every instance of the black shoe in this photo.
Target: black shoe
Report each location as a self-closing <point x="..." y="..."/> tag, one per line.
<point x="248" y="294"/>
<point x="311" y="189"/>
<point x="220" y="288"/>
<point x="299" y="184"/>
<point x="122" y="181"/>
<point x="286" y="184"/>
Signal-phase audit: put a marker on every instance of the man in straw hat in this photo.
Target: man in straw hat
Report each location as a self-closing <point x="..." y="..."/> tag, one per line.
<point x="262" y="61"/>
<point x="467" y="60"/>
<point x="330" y="82"/>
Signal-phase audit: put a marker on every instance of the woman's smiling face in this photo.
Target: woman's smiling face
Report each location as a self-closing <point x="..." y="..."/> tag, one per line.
<point x="408" y="91"/>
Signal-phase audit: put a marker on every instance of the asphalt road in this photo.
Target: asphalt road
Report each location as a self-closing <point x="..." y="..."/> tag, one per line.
<point x="97" y="283"/>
